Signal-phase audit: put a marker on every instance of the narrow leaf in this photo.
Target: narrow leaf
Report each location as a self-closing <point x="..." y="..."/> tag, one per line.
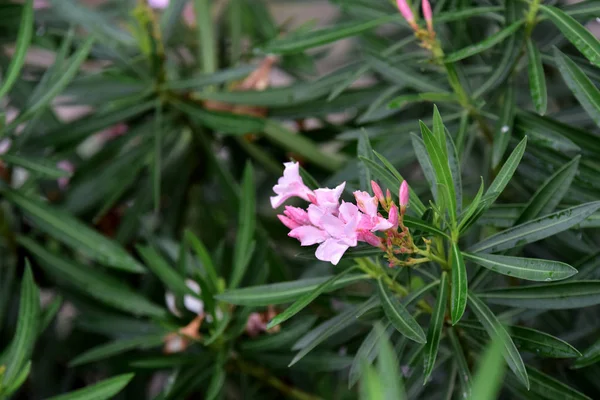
<point x="556" y="296"/>
<point x="577" y="34"/>
<point x="398" y="315"/>
<point x="436" y="324"/>
<point x="103" y="390"/>
<point x="493" y="327"/>
<point x="483" y="45"/>
<point x="490" y="371"/>
<point x="504" y="127"/>
<point x="506" y="172"/>
<point x="537" y="80"/>
<point x="537" y="229"/>
<point x="246" y="226"/>
<point x="23" y="40"/>
<point x="458" y="296"/>
<point x="531" y="269"/>
<point x="387" y="366"/>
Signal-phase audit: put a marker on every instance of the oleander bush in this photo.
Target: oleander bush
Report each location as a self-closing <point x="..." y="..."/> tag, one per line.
<point x="420" y="223"/>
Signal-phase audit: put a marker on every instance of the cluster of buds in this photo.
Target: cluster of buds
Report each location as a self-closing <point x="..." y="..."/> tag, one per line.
<point x="337" y="226"/>
<point x="427" y="36"/>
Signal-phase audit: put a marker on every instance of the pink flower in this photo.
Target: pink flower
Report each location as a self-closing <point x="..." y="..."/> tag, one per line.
<point x="406" y="12"/>
<point x="427" y="14"/>
<point x="371" y="220"/>
<point x="404" y="193"/>
<point x="378" y="192"/>
<point x="67" y="166"/>
<point x="290" y="185"/>
<point x="158" y="3"/>
<point x="393" y="215"/>
<point x="328" y="199"/>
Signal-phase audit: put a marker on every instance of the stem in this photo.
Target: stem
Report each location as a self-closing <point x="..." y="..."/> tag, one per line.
<point x="264" y="375"/>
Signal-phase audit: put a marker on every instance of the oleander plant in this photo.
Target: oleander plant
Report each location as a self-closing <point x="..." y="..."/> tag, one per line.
<point x="190" y="208"/>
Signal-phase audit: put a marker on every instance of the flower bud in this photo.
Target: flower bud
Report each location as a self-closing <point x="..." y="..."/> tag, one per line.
<point x="372" y="239"/>
<point x="403" y="194"/>
<point x="407" y="13"/>
<point x="388" y="196"/>
<point x="427" y="14"/>
<point x="377" y="192"/>
<point x="393" y="216"/>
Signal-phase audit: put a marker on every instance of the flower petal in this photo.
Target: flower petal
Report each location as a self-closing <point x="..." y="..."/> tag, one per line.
<point x="308" y="235"/>
<point x="331" y="250"/>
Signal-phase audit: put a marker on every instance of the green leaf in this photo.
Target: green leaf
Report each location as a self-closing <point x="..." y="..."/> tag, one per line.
<point x="298" y="42"/>
<point x="431" y="97"/>
<point x="217" y="381"/>
<point x="284" y="292"/>
<point x="367" y="352"/>
<point x="17" y="382"/>
<point x="92" y="282"/>
<point x="537" y="80"/>
<point x="493" y="327"/>
<point x="548" y="196"/>
<point x="398" y="315"/>
<point x="506" y="172"/>
<point x="434" y="332"/>
<point x="589" y="357"/>
<point x="21" y="346"/>
<point x="464" y="374"/>
<point x="504" y="127"/>
<point x="583" y="88"/>
<point x="203" y="80"/>
<point x="458" y="295"/>
<point x="425" y="163"/>
<point x="577" y="34"/>
<point x="483" y="45"/>
<point x="18" y="59"/>
<point x="205" y="259"/>
<point x="490" y="371"/>
<point x="470" y="211"/>
<point x="531" y="269"/>
<point x="552" y="389"/>
<point x="455" y="170"/>
<point x="244" y="242"/>
<point x="531" y="340"/>
<point x="304" y="147"/>
<point x="73" y="67"/>
<point x="537" y="229"/>
<point x="165" y="272"/>
<point x="323" y="332"/>
<point x="65" y="228"/>
<point x="371" y="386"/>
<point x="439" y="159"/>
<point x="42" y="167"/>
<point x="365" y="150"/>
<point x="415" y="223"/>
<point x="282" y="339"/>
<point x="102" y="390"/>
<point x="306" y="300"/>
<point x="117" y="347"/>
<point x="387" y="366"/>
<point x="556" y="296"/>
<point x="233" y="124"/>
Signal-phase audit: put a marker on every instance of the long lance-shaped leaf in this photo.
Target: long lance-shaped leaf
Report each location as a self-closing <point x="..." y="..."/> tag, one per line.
<point x="458" y="295"/>
<point x="577" y="34"/>
<point x="583" y="88"/>
<point x="436" y="324"/>
<point x="305" y="300"/>
<point x="103" y="390"/>
<point x="23" y="41"/>
<point x="556" y="296"/>
<point x="550" y="193"/>
<point x="532" y="269"/>
<point x="493" y="327"/>
<point x="506" y="172"/>
<point x="483" y="45"/>
<point x="490" y="371"/>
<point x="537" y="229"/>
<point x="398" y="315"/>
<point x="537" y="80"/>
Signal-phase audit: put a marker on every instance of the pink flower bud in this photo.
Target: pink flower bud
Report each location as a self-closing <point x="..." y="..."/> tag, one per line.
<point x="288" y="222"/>
<point x="427" y="14"/>
<point x="406" y="11"/>
<point x="403" y="194"/>
<point x="377" y="191"/>
<point x="371" y="238"/>
<point x="388" y="196"/>
<point x="393" y="216"/>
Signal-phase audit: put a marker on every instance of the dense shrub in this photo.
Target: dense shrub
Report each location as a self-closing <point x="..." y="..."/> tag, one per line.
<point x="142" y="258"/>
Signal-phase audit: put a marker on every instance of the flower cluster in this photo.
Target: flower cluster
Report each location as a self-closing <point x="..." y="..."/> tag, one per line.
<point x="334" y="225"/>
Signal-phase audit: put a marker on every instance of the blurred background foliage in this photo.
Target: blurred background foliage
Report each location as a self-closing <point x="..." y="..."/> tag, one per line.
<point x="140" y="145"/>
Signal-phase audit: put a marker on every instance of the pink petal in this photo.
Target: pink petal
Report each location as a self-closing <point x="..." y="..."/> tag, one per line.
<point x="297" y="215"/>
<point x="290" y="185"/>
<point x="315" y="213"/>
<point x="366" y="203"/>
<point x="329" y="198"/>
<point x="308" y="235"/>
<point x="381" y="224"/>
<point x="158" y="3"/>
<point x="288" y="222"/>
<point x="334" y="226"/>
<point x="331" y="250"/>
